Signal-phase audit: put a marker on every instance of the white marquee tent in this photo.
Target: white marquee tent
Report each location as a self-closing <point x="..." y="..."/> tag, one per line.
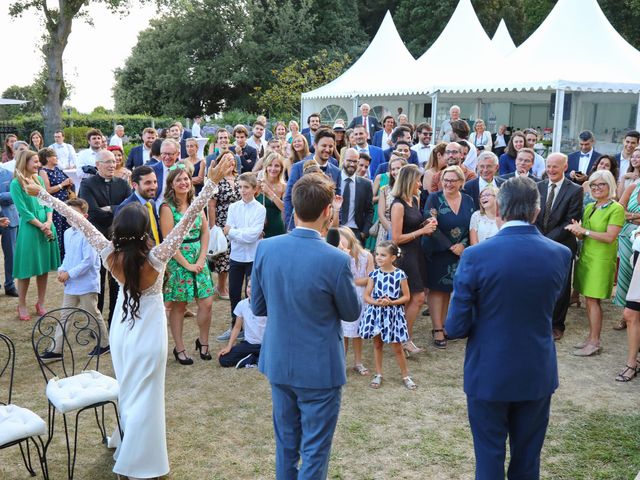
<point x="502" y="40"/>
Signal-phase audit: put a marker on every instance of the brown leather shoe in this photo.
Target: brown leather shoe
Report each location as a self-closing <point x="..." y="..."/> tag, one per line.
<point x="557" y="334"/>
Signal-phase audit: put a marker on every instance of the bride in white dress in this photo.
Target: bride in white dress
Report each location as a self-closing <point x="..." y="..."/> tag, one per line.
<point x="138" y="336"/>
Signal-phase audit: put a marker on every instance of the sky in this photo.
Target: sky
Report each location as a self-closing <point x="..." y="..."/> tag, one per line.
<point x="91" y="56"/>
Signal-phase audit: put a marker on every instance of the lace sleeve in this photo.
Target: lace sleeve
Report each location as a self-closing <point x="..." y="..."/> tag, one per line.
<point x="172" y="242"/>
<point x="93" y="236"/>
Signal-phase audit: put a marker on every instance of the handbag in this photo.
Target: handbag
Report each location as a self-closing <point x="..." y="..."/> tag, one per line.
<point x="373" y="231"/>
<point x="633" y="293"/>
<point x="218" y="242"/>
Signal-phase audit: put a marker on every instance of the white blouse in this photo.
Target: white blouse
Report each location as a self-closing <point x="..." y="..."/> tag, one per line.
<point x="483" y="225"/>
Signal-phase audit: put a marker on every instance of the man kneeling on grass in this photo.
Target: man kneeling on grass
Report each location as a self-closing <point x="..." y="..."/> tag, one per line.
<point x="246" y="353"/>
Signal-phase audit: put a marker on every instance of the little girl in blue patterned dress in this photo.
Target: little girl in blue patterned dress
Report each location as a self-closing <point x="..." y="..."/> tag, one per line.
<point x="386" y="293"/>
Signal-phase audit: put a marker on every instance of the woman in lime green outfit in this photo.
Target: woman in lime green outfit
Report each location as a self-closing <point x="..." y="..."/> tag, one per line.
<point x="595" y="270"/>
<point x="36" y="252"/>
<point x="188" y="276"/>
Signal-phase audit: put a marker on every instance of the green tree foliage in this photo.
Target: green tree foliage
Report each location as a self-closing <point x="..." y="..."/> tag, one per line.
<point x="371" y="13"/>
<point x="183" y="64"/>
<point x="282" y="98"/>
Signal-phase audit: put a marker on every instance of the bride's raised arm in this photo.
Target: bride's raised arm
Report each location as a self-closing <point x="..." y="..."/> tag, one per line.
<point x="74" y="218"/>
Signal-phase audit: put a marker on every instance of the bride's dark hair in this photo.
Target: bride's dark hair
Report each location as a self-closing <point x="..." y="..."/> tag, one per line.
<point x="132" y="243"/>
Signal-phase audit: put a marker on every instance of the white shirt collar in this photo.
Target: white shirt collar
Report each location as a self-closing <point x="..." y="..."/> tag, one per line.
<point x="515" y="223"/>
<point x="344" y="176"/>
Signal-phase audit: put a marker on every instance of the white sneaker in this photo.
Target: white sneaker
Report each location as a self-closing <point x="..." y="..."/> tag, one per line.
<point x="225" y="336"/>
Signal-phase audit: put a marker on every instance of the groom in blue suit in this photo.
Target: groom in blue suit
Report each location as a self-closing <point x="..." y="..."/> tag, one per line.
<point x="510" y="369"/>
<point x="302" y="351"/>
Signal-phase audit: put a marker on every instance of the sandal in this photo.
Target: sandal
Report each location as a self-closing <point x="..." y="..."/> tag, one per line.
<point x="621" y="325"/>
<point x="361" y="369"/>
<point x="409" y="383"/>
<point x="439" y="343"/>
<point x="409" y="347"/>
<point x="376" y="381"/>
<point x="624" y="376"/>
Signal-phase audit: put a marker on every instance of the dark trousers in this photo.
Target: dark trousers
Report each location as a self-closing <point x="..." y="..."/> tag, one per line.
<point x="238" y="352"/>
<point x="525" y="423"/>
<point x="113" y="292"/>
<point x="562" y="304"/>
<point x="9" y="235"/>
<point x="304" y="420"/>
<point x="238" y="273"/>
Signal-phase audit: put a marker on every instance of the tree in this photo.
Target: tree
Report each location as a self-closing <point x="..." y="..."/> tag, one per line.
<point x="372" y="12"/>
<point x="58" y="23"/>
<point x="35" y="94"/>
<point x="282" y="98"/>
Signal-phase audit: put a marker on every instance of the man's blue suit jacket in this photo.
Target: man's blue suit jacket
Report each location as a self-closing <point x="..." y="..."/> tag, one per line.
<point x="384" y="167"/>
<point x="6" y="201"/>
<point x="303" y="345"/>
<point x="504" y="304"/>
<point x="309" y="138"/>
<point x="135" y="158"/>
<point x="574" y="162"/>
<point x="158" y="168"/>
<point x="296" y="172"/>
<point x="134" y="199"/>
<point x="377" y="139"/>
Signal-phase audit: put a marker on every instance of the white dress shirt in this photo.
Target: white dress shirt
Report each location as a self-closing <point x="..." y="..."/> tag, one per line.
<point x="624" y="166"/>
<point x="538" y="168"/>
<point x="165" y="174"/>
<point x="247" y="223"/>
<point x="499" y="141"/>
<point x="85" y="157"/>
<point x="115" y="141"/>
<point x="66" y="155"/>
<point x="384" y="144"/>
<point x="556" y="192"/>
<point x="585" y="158"/>
<point x="515" y="223"/>
<point x="253" y="325"/>
<point x="351" y="221"/>
<point x="81" y="262"/>
<point x="195" y="130"/>
<point x="263" y="143"/>
<point x="471" y="160"/>
<point x="423" y="152"/>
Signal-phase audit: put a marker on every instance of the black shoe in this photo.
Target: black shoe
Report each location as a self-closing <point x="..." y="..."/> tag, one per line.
<point x="99" y="351"/>
<point x="50" y="356"/>
<point x="206" y="355"/>
<point x="11" y="292"/>
<point x="182" y="361"/>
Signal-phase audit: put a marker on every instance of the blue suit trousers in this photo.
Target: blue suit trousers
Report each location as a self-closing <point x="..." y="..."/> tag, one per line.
<point x="9" y="235"/>
<point x="525" y="423"/>
<point x="304" y="420"/>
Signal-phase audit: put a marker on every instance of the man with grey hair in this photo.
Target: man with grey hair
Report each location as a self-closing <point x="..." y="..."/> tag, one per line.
<point x="169" y="154"/>
<point x="561" y="203"/>
<point x="18" y="146"/>
<point x="104" y="192"/>
<point x="116" y="139"/>
<point x="510" y="368"/>
<point x="370" y="123"/>
<point x="445" y="129"/>
<point x="487" y="176"/>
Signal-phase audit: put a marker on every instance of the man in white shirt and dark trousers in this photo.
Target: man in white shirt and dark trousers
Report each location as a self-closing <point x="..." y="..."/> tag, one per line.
<point x="245" y="224"/>
<point x="66" y="153"/>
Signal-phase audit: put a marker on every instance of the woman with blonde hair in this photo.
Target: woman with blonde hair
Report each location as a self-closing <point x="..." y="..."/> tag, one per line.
<point x="483" y="222"/>
<point x="198" y="164"/>
<point x="595" y="269"/>
<point x="407" y="227"/>
<point x="36" y="252"/>
<point x="437" y="162"/>
<point x="299" y="151"/>
<point x="272" y="188"/>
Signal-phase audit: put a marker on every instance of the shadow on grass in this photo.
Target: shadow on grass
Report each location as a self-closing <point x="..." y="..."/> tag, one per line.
<point x="594" y="446"/>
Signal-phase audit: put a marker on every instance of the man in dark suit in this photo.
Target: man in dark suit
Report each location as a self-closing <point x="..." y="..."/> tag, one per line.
<point x="247" y="154"/>
<point x="487" y="171"/>
<point x="370" y="123"/>
<point x="357" y="206"/>
<point x="376" y="154"/>
<point x="9" y="231"/>
<point x="145" y="186"/>
<point x="524" y="164"/>
<point x="169" y="153"/>
<point x="302" y="351"/>
<point x="382" y="137"/>
<point x="141" y="154"/>
<point x="500" y="140"/>
<point x="582" y="161"/>
<point x="104" y="192"/>
<point x="325" y="141"/>
<point x="180" y="135"/>
<point x="561" y="202"/>
<point x="313" y="121"/>
<point x="505" y="308"/>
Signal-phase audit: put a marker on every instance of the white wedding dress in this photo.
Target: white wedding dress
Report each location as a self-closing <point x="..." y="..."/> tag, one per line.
<point x="139" y="348"/>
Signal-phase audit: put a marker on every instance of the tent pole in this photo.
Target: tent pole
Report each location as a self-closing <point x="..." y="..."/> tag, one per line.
<point x="434" y="117"/>
<point x="638" y="114"/>
<point x="356" y="101"/>
<point x="558" y="115"/>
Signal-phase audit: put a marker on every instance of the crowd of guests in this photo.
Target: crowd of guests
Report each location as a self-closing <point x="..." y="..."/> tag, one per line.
<point x="410" y="201"/>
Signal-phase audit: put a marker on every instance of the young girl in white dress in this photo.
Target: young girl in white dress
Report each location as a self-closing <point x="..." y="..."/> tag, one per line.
<point x="138" y="336"/>
<point x="361" y="267"/>
<point x="483" y="222"/>
<point x="386" y="293"/>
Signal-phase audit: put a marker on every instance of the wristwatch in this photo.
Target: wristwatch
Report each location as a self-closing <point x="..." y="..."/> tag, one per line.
<point x="587" y="233"/>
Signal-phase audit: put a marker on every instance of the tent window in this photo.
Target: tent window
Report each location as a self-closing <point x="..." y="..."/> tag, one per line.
<point x="379" y="112"/>
<point x="331" y="113"/>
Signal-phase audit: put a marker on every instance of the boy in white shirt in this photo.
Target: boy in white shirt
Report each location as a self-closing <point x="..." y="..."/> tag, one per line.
<point x="80" y="274"/>
<point x="246" y="353"/>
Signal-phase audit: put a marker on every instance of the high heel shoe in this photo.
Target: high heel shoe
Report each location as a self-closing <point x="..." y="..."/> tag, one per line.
<point x="439" y="343"/>
<point x="23" y="318"/>
<point x="182" y="361"/>
<point x="39" y="310"/>
<point x="206" y="355"/>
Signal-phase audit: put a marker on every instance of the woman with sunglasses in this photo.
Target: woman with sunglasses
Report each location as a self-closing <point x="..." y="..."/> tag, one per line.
<point x="595" y="270"/>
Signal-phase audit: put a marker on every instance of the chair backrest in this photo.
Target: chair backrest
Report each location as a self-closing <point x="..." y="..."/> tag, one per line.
<point x="74" y="333"/>
<point x="7" y="364"/>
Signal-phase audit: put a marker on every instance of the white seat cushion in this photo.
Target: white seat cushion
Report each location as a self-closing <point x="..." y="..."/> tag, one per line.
<point x="81" y="390"/>
<point x="17" y="423"/>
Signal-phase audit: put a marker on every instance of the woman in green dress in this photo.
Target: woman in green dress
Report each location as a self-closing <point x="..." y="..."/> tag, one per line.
<point x="272" y="189"/>
<point x="188" y="276"/>
<point x="595" y="270"/>
<point x="36" y="252"/>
